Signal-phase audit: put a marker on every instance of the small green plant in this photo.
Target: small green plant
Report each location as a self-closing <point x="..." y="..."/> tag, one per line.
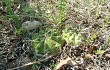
<point x="92" y="37"/>
<point x="28" y="11"/>
<point x="108" y="40"/>
<point x="72" y="38"/>
<point x="50" y="40"/>
<point x="52" y="66"/>
<point x="56" y="13"/>
<point x="11" y="16"/>
<point x="8" y="4"/>
<point x="47" y="41"/>
<point x="61" y="7"/>
<point x="100" y="51"/>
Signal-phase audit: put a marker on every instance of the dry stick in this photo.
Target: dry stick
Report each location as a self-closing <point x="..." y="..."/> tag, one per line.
<point x="31" y="63"/>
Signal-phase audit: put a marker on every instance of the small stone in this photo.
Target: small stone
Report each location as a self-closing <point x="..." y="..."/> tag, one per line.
<point x="88" y="56"/>
<point x="28" y="25"/>
<point x="107" y="55"/>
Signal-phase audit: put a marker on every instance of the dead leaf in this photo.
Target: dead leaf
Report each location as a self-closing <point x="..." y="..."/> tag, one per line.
<point x="62" y="62"/>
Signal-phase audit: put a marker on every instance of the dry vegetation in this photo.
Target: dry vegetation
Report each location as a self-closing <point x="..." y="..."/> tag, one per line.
<point x="55" y="35"/>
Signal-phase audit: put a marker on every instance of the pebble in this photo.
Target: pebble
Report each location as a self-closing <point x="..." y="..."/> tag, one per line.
<point x="28" y="25"/>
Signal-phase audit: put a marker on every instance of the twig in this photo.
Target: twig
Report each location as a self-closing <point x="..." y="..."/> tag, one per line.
<point x="31" y="63"/>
